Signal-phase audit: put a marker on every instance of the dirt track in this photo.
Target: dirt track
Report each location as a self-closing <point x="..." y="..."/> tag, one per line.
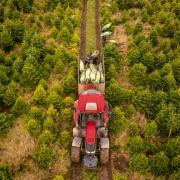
<point x="76" y="171"/>
<point x="98" y="29"/>
<point x="104" y="171"/>
<point x="82" y="53"/>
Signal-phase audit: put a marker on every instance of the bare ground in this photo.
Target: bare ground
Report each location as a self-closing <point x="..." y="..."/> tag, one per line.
<point x="123" y="78"/>
<point x="120" y="162"/>
<point x="105" y="173"/>
<point x="141" y="119"/>
<point x="122" y="39"/>
<point x="17" y="146"/>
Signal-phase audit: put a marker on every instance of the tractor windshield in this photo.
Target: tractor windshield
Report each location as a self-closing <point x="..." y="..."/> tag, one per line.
<point x="84" y="118"/>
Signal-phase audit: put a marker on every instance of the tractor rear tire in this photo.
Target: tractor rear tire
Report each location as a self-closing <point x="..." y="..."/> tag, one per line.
<point x="104" y="156"/>
<point x="75" y="154"/>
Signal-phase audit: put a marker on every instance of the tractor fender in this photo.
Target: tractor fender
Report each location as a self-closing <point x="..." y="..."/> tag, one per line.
<point x="104" y="143"/>
<point x="77" y="142"/>
<point x="102" y="132"/>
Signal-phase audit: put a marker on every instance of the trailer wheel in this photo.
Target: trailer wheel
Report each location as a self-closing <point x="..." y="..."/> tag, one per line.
<point x="75" y="154"/>
<point x="104" y="156"/>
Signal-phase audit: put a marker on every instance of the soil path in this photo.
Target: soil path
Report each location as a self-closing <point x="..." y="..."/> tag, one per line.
<point x="105" y="172"/>
<point x="82" y="53"/>
<point x="76" y="168"/>
<point x="98" y="30"/>
<point x="76" y="171"/>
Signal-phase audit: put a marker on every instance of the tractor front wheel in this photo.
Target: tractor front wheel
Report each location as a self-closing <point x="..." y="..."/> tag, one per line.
<point x="104" y="156"/>
<point x="75" y="154"/>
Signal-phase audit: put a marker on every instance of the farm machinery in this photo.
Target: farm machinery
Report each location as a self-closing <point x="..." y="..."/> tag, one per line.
<point x="91" y="115"/>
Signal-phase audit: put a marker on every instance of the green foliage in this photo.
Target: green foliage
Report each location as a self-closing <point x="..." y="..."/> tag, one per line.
<point x="44" y="84"/>
<point x="111" y="51"/>
<point x="59" y="67"/>
<point x="159" y="163"/>
<point x="46" y="138"/>
<point x="66" y="23"/>
<point x="143" y="100"/>
<point x="125" y="4"/>
<point x="138" y="28"/>
<point x="176" y="163"/>
<point x="51" y="112"/>
<point x="151" y="130"/>
<point x="64" y="35"/>
<point x="167" y="69"/>
<point x="68" y="102"/>
<point x="155" y="80"/>
<point x="116" y="95"/>
<point x="176" y="69"/>
<point x="129" y="111"/>
<point x="66" y="114"/>
<point x="139" y="163"/>
<point x="2" y="91"/>
<point x="20" y="106"/>
<point x="144" y="15"/>
<point x="169" y="28"/>
<point x="64" y="138"/>
<point x="5" y="173"/>
<point x="54" y="99"/>
<point x="134" y="129"/>
<point x="44" y="155"/>
<point x="6" y="121"/>
<point x="3" y="74"/>
<point x="118" y="176"/>
<point x="134" y="56"/>
<point x="57" y="87"/>
<point x="6" y="41"/>
<point x="153" y="37"/>
<point x="39" y="96"/>
<point x="136" y="145"/>
<point x="34" y="127"/>
<point x="128" y="28"/>
<point x="30" y="75"/>
<point x="174" y="97"/>
<point x="58" y="177"/>
<point x="2" y="56"/>
<point x="36" y="113"/>
<point x="175" y="175"/>
<point x="168" y="120"/>
<point x="18" y="29"/>
<point x="118" y="122"/>
<point x="111" y="72"/>
<point x="70" y="83"/>
<point x="11" y="94"/>
<point x="64" y="55"/>
<point x="169" y="82"/>
<point x="148" y="60"/>
<point x="17" y="68"/>
<point x="50" y="125"/>
<point x="172" y="148"/>
<point x="137" y="74"/>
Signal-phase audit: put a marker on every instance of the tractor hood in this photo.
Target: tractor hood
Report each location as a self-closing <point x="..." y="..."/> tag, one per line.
<point x="91" y="103"/>
<point x="90" y="160"/>
<point x="90" y="133"/>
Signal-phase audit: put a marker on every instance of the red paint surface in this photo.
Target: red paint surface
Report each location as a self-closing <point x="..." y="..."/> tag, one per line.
<point x="91" y="98"/>
<point x="90" y="133"/>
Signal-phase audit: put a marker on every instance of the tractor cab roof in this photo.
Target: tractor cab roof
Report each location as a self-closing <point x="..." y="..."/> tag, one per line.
<point x="91" y="101"/>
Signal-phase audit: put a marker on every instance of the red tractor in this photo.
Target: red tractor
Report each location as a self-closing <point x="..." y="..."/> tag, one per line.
<point x="91" y="115"/>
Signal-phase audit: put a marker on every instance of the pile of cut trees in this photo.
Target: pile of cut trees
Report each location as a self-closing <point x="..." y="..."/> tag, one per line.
<point x="91" y="73"/>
